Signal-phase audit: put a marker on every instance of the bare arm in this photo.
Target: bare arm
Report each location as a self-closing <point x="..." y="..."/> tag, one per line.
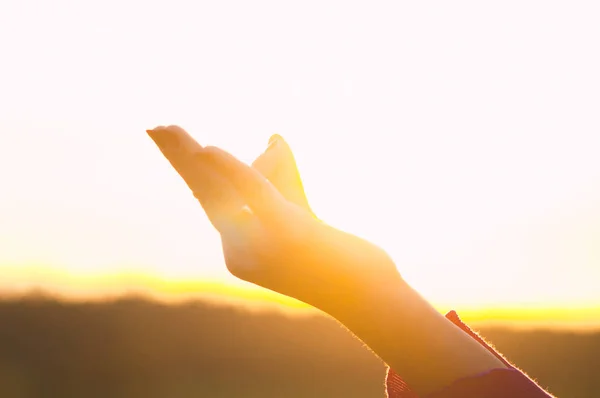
<point x="415" y="340"/>
<point x="271" y="238"/>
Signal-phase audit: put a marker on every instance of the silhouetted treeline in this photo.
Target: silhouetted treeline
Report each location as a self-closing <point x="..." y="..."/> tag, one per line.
<point x="137" y="348"/>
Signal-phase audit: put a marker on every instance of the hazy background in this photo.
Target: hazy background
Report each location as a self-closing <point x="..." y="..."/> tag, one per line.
<point x="469" y="131"/>
<point x="473" y="127"/>
<point x="136" y="348"/>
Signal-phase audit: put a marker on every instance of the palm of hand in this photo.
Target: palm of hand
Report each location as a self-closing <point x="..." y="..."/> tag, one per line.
<point x="272" y="253"/>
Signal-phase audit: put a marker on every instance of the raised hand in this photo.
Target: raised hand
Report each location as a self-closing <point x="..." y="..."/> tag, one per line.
<point x="269" y="234"/>
<point x="271" y="237"/>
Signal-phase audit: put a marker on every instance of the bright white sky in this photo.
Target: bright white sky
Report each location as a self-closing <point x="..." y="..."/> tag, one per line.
<point x="462" y="137"/>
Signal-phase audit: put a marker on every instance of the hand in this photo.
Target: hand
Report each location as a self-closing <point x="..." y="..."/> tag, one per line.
<point x="271" y="237"/>
<point x="269" y="234"/>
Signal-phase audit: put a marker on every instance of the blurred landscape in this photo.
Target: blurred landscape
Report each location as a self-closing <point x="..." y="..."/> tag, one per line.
<point x="135" y="347"/>
<point x="460" y="137"/>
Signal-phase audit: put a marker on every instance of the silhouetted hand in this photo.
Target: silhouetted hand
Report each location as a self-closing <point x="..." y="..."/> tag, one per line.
<point x="271" y="237"/>
<point x="269" y="234"/>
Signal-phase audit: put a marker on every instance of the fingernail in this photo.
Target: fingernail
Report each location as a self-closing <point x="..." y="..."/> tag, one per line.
<point x="274" y="138"/>
<point x="273" y="141"/>
<point x="163" y="138"/>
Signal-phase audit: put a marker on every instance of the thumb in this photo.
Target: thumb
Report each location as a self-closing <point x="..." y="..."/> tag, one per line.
<point x="278" y="165"/>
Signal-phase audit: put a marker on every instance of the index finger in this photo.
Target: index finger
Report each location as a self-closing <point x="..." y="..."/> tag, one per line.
<point x="181" y="149"/>
<point x="218" y="197"/>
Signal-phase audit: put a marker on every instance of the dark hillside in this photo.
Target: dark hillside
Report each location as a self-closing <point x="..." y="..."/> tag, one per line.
<point x="137" y="348"/>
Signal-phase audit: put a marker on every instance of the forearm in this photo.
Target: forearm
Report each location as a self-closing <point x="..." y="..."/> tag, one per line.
<point x="358" y="284"/>
<point x="403" y="329"/>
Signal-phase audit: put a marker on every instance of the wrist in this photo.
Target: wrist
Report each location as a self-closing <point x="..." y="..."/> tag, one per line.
<point x="364" y="297"/>
<point x="349" y="274"/>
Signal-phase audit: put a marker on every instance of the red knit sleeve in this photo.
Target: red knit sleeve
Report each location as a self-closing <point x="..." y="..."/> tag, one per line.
<point x="494" y="384"/>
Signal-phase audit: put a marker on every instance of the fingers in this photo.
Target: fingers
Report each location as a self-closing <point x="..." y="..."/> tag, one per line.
<point x="258" y="193"/>
<point x="216" y="194"/>
<point x="180" y="148"/>
<point x="172" y="137"/>
<point x="278" y="165"/>
<point x="176" y="145"/>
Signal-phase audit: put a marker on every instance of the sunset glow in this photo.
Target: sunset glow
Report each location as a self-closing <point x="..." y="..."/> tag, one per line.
<point x="466" y="147"/>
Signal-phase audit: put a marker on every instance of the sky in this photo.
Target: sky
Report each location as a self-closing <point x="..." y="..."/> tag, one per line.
<point x="463" y="138"/>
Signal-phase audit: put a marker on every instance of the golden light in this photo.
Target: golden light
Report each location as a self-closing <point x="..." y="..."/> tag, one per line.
<point x="471" y="158"/>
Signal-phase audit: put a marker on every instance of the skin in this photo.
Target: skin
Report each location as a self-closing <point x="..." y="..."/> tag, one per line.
<point x="271" y="237"/>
